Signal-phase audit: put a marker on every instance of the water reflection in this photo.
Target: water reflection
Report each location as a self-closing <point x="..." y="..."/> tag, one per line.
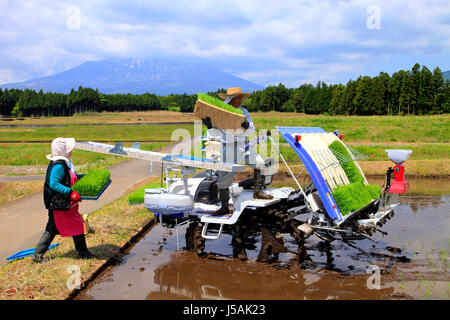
<point x="187" y="277"/>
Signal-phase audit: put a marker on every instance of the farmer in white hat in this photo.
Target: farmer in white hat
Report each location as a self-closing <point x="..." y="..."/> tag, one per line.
<point x="234" y="142"/>
<point x="62" y="202"/>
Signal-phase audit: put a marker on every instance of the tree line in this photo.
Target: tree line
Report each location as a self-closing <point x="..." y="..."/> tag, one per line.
<point x="414" y="92"/>
<point x="28" y="102"/>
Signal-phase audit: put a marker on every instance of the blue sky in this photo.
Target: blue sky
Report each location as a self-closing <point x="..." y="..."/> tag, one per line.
<point x="265" y="42"/>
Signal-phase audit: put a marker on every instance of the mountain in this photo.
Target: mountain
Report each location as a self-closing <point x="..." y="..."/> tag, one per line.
<point x="138" y="76"/>
<point x="446" y="75"/>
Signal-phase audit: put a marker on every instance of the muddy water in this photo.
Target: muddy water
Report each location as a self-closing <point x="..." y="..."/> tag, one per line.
<point x="411" y="260"/>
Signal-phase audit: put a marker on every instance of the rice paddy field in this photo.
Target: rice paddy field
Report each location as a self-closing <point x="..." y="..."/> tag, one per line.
<point x="116" y="223"/>
<point x="27" y="145"/>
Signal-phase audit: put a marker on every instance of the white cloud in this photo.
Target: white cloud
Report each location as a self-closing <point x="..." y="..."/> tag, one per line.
<point x="308" y="39"/>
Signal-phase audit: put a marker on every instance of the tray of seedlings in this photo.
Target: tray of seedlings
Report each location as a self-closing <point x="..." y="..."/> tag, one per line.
<point x="222" y="115"/>
<point x="357" y="194"/>
<point x="92" y="185"/>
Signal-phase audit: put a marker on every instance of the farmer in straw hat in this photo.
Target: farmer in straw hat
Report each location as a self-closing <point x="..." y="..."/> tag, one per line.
<point x="62" y="202"/>
<point x="234" y="142"/>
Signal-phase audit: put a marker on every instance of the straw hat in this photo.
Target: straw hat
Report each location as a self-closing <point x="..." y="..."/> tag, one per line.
<point x="233" y="92"/>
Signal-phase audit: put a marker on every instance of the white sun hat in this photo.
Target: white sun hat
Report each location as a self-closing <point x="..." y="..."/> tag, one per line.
<point x="61" y="148"/>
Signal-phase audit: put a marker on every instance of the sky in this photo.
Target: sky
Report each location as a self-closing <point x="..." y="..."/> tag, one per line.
<point x="266" y="42"/>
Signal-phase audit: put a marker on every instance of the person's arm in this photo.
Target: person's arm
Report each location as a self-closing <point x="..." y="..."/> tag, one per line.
<point x="56" y="178"/>
<point x="251" y="128"/>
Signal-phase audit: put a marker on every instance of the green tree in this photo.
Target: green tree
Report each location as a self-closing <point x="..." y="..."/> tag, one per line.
<point x="438" y="91"/>
<point x="427" y="89"/>
<point x="406" y="93"/>
<point x="335" y="105"/>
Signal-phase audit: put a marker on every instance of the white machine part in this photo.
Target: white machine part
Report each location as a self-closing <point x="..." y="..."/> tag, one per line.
<point x="175" y="201"/>
<point x="177" y="186"/>
<point x="161" y="202"/>
<point x="243" y="200"/>
<point x="398" y="156"/>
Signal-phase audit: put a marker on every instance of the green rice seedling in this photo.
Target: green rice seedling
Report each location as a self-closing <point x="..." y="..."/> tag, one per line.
<point x="218" y="103"/>
<point x="351" y="197"/>
<point x="374" y="190"/>
<point x="349" y="167"/>
<point x="354" y="196"/>
<point x="92" y="183"/>
<point x="137" y="196"/>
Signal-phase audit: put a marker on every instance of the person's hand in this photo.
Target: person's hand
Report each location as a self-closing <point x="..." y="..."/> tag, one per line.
<point x="75" y="196"/>
<point x="245" y="125"/>
<point x="207" y="122"/>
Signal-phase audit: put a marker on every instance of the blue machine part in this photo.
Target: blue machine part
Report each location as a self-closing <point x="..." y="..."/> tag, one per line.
<point x="173" y="216"/>
<point x="316" y="176"/>
<point x="28" y="252"/>
<point x="299" y="130"/>
<point x="170" y="157"/>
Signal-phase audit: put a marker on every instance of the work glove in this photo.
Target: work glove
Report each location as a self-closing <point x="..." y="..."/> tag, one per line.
<point x="75" y="196"/>
<point x="245" y="125"/>
<point x="207" y="122"/>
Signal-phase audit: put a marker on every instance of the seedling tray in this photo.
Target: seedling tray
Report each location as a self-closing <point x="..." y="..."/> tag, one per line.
<point x="99" y="194"/>
<point x="93" y="184"/>
<point x="220" y="118"/>
<point x="25" y="253"/>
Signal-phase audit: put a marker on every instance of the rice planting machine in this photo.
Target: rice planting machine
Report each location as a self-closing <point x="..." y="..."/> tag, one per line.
<point x="337" y="204"/>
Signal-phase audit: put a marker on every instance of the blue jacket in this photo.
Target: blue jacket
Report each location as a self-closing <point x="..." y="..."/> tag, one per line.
<point x="56" y="179"/>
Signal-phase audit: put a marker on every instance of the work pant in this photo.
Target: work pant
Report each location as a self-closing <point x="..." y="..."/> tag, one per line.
<point x="238" y="155"/>
<point x="51" y="226"/>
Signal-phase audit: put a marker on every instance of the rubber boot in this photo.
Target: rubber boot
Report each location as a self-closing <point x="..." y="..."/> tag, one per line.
<point x="80" y="245"/>
<point x="42" y="246"/>
<point x="259" y="183"/>
<point x="224" y="196"/>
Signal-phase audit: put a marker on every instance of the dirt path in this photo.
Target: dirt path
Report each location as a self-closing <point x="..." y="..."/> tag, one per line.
<point x="22" y="178"/>
<point x="23" y="221"/>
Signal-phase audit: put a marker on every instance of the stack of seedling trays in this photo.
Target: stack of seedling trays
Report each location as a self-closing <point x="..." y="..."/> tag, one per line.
<point x="92" y="185"/>
<point x="222" y="115"/>
<point x="357" y="194"/>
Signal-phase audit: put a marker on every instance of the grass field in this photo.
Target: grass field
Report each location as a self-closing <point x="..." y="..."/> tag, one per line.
<point x="33" y="155"/>
<point x="417" y="129"/>
<point x="23" y="154"/>
<point x="377" y="153"/>
<point x="154" y="133"/>
<point x="107" y="117"/>
<point x="427" y="136"/>
<point x="10" y="191"/>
